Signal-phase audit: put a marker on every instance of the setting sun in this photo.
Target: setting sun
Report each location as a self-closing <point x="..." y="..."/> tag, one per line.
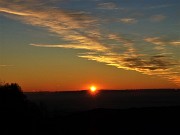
<point x="93" y="88"/>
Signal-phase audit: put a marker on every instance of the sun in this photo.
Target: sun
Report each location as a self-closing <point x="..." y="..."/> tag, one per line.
<point x="93" y="88"/>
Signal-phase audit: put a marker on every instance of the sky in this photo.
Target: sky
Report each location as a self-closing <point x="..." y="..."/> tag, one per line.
<point x="51" y="45"/>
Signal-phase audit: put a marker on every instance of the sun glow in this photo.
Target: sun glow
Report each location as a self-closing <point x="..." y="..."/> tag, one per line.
<point x="93" y="88"/>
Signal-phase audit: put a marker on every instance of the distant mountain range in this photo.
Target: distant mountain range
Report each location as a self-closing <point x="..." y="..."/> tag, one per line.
<point x="74" y="101"/>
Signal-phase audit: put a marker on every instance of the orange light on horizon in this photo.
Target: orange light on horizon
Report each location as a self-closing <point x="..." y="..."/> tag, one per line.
<point x="93" y="89"/>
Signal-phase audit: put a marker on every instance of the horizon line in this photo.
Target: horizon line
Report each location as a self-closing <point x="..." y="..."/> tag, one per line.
<point x="147" y="89"/>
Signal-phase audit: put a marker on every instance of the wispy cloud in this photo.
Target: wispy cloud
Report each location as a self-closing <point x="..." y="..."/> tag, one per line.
<point x="157" y="18"/>
<point x="74" y="46"/>
<point x="159" y="65"/>
<point x="5" y="10"/>
<point x="107" y="6"/>
<point x="154" y="40"/>
<point x="70" y="26"/>
<point x="161" y="41"/>
<point x="120" y="38"/>
<point x="6" y="65"/>
<point x="159" y="6"/>
<point x="128" y="20"/>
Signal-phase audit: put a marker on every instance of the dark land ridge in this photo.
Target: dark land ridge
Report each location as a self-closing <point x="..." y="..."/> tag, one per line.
<point x="148" y="112"/>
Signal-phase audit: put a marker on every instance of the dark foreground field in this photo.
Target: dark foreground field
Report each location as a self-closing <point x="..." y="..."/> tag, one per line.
<point x="145" y="112"/>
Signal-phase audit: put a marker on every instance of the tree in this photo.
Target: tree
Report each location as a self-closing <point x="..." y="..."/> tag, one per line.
<point x="11" y="96"/>
<point x="18" y="115"/>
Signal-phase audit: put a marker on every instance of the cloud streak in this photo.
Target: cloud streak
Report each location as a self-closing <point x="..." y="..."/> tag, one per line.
<point x="6" y="65"/>
<point x="73" y="46"/>
<point x="159" y="6"/>
<point x="161" y="41"/>
<point x="157" y="18"/>
<point x="127" y="20"/>
<point x="107" y="6"/>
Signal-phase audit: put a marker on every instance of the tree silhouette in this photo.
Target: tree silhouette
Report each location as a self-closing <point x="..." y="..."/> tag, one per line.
<point x="18" y="115"/>
<point x="12" y="97"/>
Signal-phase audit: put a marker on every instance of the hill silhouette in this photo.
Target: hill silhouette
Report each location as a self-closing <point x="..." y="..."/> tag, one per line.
<point x="143" y="112"/>
<point x="65" y="102"/>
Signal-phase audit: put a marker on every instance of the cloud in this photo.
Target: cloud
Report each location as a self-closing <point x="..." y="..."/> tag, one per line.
<point x="147" y="65"/>
<point x="69" y="25"/>
<point x="161" y="41"/>
<point x="175" y="42"/>
<point x="162" y="66"/>
<point x="6" y="65"/>
<point x="13" y="12"/>
<point x="120" y="38"/>
<point x="159" y="6"/>
<point x="158" y="18"/>
<point x="130" y="59"/>
<point x="127" y="20"/>
<point x="74" y="46"/>
<point x="154" y="40"/>
<point x="107" y="6"/>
